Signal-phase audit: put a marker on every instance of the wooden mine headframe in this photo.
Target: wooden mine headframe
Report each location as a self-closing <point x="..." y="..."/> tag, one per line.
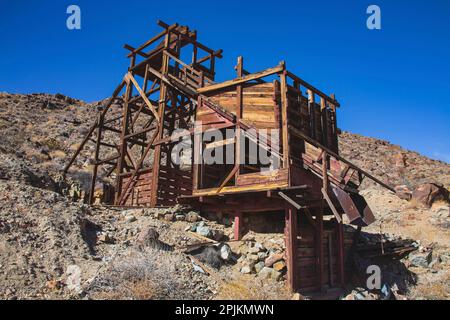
<point x="135" y="135"/>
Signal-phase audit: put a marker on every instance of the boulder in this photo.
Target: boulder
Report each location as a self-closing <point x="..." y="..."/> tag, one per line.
<point x="252" y="257"/>
<point x="279" y="266"/>
<point x="265" y="273"/>
<point x="130" y="218"/>
<point x="192" y="217"/>
<point x="204" y="231"/>
<point x="259" y="246"/>
<point x="429" y="193"/>
<point x="276" y="275"/>
<point x="225" y="252"/>
<point x="247" y="268"/>
<point x="169" y="217"/>
<point x="403" y="192"/>
<point x="179" y="217"/>
<point x="263" y="255"/>
<point x="421" y="259"/>
<point x="147" y="235"/>
<point x="73" y="280"/>
<point x="273" y="258"/>
<point x="104" y="238"/>
<point x="259" y="266"/>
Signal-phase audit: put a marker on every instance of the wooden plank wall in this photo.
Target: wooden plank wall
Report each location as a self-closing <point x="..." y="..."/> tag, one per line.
<point x="308" y="122"/>
<point x="258" y="105"/>
<point x="140" y="194"/>
<point x="307" y="266"/>
<point x="173" y="183"/>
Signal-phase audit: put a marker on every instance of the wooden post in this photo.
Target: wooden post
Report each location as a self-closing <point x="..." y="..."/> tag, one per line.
<point x="197" y="151"/>
<point x="96" y="158"/>
<point x="161" y="113"/>
<point x="238" y="225"/>
<point x="319" y="248"/>
<point x="312" y="113"/>
<point x="335" y="128"/>
<point x="291" y="246"/>
<point x="340" y="253"/>
<point x="284" y="118"/>
<point x="323" y="110"/>
<point x="239" y="97"/>
<point x="123" y="142"/>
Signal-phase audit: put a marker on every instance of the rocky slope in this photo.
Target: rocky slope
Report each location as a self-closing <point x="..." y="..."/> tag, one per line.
<point x="391" y="163"/>
<point x="52" y="247"/>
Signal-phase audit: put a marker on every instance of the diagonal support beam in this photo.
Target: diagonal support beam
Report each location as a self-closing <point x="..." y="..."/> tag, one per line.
<point x="129" y="77"/>
<point x="331" y="205"/>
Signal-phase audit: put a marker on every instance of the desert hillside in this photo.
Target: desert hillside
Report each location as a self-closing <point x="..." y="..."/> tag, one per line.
<point x="54" y="246"/>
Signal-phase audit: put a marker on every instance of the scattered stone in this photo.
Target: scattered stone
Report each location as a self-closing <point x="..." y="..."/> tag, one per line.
<point x="192" y="217"/>
<point x="428" y="193"/>
<point x="169" y="217"/>
<point x="73" y="281"/>
<point x="273" y="258"/>
<point x="225" y="252"/>
<point x="179" y="217"/>
<point x="263" y="255"/>
<point x="194" y="227"/>
<point x="421" y="259"/>
<point x="403" y="192"/>
<point x="130" y="218"/>
<point x="276" y="275"/>
<point x="265" y="273"/>
<point x="252" y="257"/>
<point x="259" y="246"/>
<point x="279" y="266"/>
<point x="247" y="269"/>
<point x="259" y="266"/>
<point x="104" y="237"/>
<point x="147" y="235"/>
<point x="204" y="231"/>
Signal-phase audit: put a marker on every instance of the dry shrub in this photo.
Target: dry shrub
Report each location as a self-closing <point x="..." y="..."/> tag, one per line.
<point x="58" y="154"/>
<point x="434" y="290"/>
<point x="53" y="144"/>
<point x="237" y="291"/>
<point x="249" y="288"/>
<point x="138" y="290"/>
<point x="139" y="275"/>
<point x="414" y="204"/>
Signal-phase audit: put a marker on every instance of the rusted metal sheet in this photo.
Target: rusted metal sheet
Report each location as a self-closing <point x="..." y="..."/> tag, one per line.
<point x="355" y="207"/>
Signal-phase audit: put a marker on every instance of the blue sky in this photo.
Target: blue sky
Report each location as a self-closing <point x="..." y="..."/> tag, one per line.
<point x="392" y="83"/>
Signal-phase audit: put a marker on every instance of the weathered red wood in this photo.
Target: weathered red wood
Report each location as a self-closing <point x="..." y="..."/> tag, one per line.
<point x="238" y="225"/>
<point x="291" y="246"/>
<point x="340" y="253"/>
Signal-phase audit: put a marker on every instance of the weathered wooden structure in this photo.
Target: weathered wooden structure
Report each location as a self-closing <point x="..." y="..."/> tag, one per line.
<point x="306" y="183"/>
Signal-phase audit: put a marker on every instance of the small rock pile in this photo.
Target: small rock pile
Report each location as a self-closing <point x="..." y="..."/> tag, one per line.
<point x="267" y="264"/>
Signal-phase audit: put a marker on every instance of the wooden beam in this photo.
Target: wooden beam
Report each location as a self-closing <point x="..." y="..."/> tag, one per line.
<point x="331" y="205"/>
<point x="291" y="234"/>
<point x="319" y="249"/>
<point x="130" y="77"/>
<point x="284" y="120"/>
<point x="91" y="130"/>
<point x="238" y="226"/>
<point x="340" y="253"/>
<point x="300" y="134"/>
<point x="239" y="110"/>
<point x="228" y="178"/>
<point x="152" y="40"/>
<point x="290" y="200"/>
<point x="312" y="88"/>
<point x="96" y="158"/>
<point x="237" y="81"/>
